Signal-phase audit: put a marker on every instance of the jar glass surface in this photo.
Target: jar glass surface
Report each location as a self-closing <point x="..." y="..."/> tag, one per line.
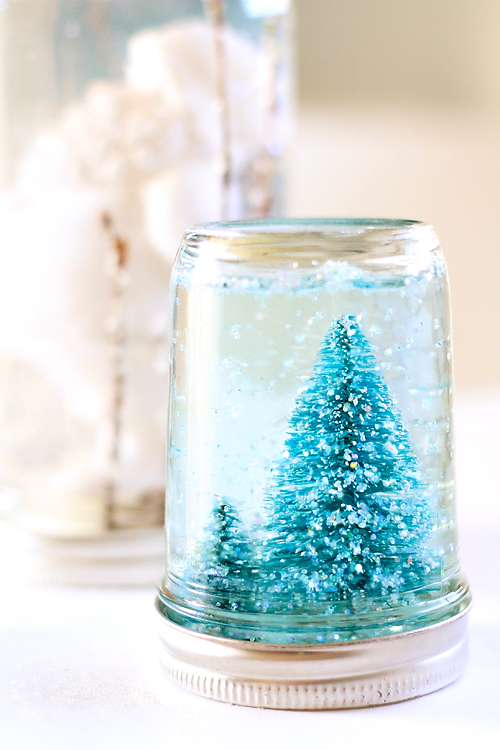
<point x="122" y="122"/>
<point x="310" y="476"/>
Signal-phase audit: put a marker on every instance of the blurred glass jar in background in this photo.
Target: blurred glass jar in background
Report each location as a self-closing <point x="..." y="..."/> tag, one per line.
<point x="121" y="123"/>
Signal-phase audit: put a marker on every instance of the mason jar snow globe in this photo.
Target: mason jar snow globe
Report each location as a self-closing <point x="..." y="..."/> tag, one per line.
<point x="312" y="557"/>
<point x="122" y="122"/>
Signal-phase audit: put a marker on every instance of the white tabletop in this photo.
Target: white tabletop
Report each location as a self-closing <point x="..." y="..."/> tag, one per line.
<point x="79" y="669"/>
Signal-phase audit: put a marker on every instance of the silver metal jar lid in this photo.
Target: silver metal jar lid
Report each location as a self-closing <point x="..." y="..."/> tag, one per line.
<point x="324" y="676"/>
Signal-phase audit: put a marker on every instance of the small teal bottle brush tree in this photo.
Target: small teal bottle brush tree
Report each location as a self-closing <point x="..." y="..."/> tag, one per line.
<point x="311" y="516"/>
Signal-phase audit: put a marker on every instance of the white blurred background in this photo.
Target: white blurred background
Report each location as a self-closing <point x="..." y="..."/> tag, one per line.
<point x="399" y="116"/>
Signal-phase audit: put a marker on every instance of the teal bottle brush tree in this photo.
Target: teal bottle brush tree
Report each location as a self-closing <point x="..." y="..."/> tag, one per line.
<point x="223" y="561"/>
<point x="346" y="514"/>
<point x="348" y="518"/>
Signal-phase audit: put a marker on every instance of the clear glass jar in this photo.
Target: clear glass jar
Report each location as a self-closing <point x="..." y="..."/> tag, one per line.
<point x="122" y="122"/>
<point x="310" y="492"/>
